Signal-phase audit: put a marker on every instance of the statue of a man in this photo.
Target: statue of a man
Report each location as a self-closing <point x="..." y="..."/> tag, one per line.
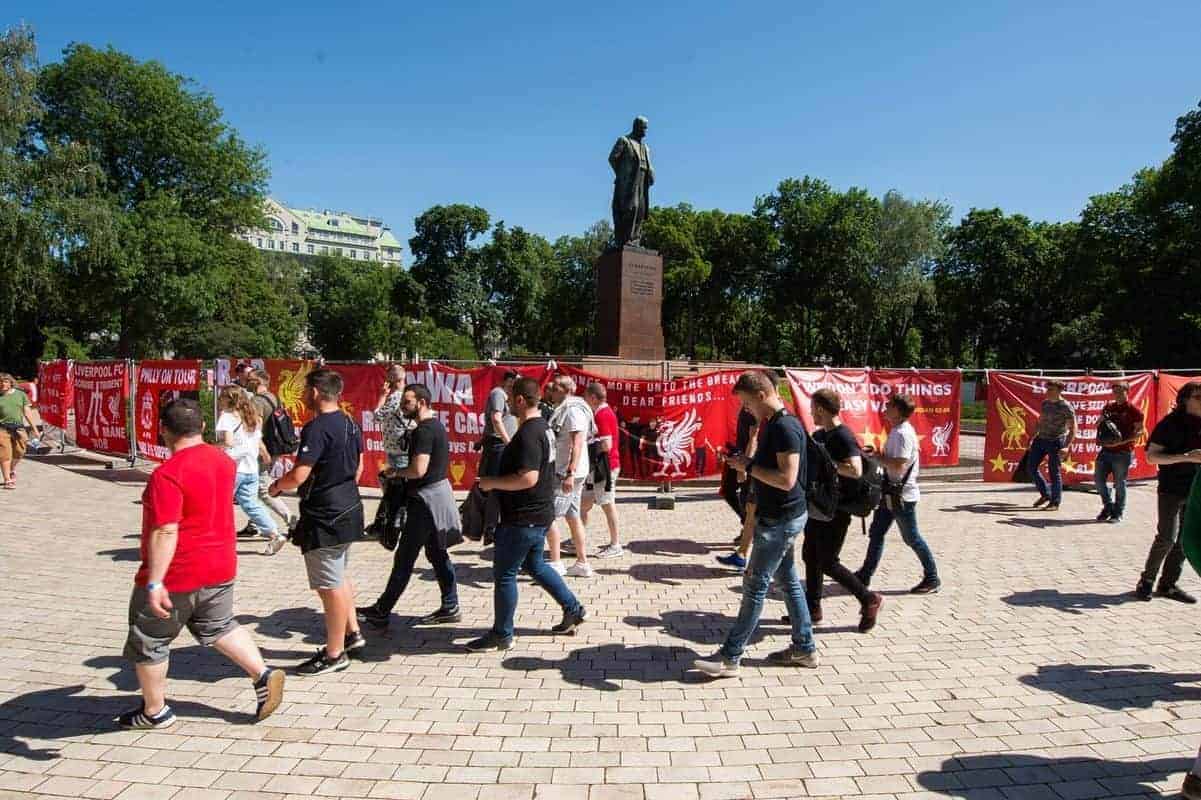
<point x="631" y="163"/>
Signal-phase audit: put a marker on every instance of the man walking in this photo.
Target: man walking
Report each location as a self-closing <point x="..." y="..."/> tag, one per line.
<point x="1052" y="440"/>
<point x="776" y="469"/>
<point x="499" y="426"/>
<point x="745" y="443"/>
<point x="526" y="491"/>
<point x="571" y="424"/>
<point x="1175" y="447"/>
<point x="1115" y="456"/>
<point x="901" y="495"/>
<point x="604" y="489"/>
<point x="328" y="467"/>
<point x="189" y="562"/>
<point x="824" y="538"/>
<point x="15" y="412"/>
<point x="432" y="516"/>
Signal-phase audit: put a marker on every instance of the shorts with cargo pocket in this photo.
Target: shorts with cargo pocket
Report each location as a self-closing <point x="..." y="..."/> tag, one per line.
<point x="208" y="613"/>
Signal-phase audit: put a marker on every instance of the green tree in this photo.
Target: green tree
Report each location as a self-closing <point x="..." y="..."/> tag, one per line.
<point x="447" y="265"/>
<point x="568" y="317"/>
<point x="350" y="310"/>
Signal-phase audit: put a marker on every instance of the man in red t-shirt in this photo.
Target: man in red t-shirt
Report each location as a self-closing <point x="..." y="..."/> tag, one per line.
<point x="604" y="491"/>
<point x="189" y="561"/>
<point x="1115" y="456"/>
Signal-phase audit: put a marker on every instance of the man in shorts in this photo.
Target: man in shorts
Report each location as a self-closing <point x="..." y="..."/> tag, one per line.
<point x="571" y="424"/>
<point x="189" y="562"/>
<point x="328" y="466"/>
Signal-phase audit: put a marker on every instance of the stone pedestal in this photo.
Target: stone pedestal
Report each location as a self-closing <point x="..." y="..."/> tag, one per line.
<point x="629" y="296"/>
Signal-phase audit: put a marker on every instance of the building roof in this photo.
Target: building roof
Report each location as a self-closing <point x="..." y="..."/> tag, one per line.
<point x="386" y="239"/>
<point x="333" y="221"/>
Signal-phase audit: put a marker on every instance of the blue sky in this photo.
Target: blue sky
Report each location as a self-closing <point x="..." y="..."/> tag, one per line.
<point x="1029" y="106"/>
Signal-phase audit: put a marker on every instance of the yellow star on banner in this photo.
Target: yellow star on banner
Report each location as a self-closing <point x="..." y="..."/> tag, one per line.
<point x="869" y="437"/>
<point x="1069" y="465"/>
<point x="999" y="464"/>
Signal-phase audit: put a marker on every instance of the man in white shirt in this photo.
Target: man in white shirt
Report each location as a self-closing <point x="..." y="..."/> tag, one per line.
<point x="572" y="424"/>
<point x="900" y="461"/>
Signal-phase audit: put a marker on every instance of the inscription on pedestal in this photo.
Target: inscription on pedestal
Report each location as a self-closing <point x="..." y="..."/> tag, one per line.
<point x="629" y="294"/>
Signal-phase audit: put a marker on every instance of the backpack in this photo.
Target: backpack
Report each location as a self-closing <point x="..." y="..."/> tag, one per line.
<point x="821" y="481"/>
<point x="869" y="489"/>
<point x="1108" y="432"/>
<point x="279" y="432"/>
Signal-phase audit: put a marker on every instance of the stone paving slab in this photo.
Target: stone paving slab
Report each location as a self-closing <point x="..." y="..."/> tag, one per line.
<point x="1034" y="674"/>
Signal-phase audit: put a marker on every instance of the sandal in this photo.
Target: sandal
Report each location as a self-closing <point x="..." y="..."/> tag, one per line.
<point x="10" y="484"/>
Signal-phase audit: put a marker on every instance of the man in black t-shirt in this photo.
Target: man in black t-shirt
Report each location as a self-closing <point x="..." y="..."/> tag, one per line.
<point x="778" y="470"/>
<point x="429" y="457"/>
<point x="525" y="487"/>
<point x="1175" y="446"/>
<point x="328" y="466"/>
<point x="824" y="539"/>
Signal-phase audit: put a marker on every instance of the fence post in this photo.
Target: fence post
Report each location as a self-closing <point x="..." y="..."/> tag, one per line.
<point x="130" y="425"/>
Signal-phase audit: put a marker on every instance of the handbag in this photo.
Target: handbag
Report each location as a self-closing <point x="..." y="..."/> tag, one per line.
<point x="892" y="491"/>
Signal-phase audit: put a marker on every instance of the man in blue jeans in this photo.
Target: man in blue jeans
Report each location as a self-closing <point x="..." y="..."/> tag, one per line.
<point x="1052" y="440"/>
<point x="899" y="504"/>
<point x="778" y="463"/>
<point x="1115" y="456"/>
<point x="525" y="486"/>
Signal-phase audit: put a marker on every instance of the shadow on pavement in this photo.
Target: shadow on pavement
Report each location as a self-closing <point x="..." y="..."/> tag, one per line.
<point x="673" y="547"/>
<point x="670" y="574"/>
<point x="1068" y="602"/>
<point x="603" y="666"/>
<point x="1116" y="688"/>
<point x="1028" y="776"/>
<point x="133" y="554"/>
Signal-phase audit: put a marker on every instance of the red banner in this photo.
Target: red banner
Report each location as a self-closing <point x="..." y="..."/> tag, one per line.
<point x="101" y="393"/>
<point x="864" y="393"/>
<point x="158" y="382"/>
<point x="56" y="393"/>
<point x="670" y="430"/>
<point x="1168" y="386"/>
<point x="1014" y="405"/>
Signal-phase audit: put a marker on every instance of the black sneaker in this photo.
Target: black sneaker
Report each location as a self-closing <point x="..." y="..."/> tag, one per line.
<point x="1105" y="515"/>
<point x="1175" y="593"/>
<point x="1115" y="519"/>
<point x="138" y="719"/>
<point x="571" y="621"/>
<point x="442" y="616"/>
<point x="1041" y="501"/>
<point x="927" y="586"/>
<point x="372" y="616"/>
<point x="248" y="532"/>
<point x="354" y="644"/>
<point x="1143" y="590"/>
<point x="269" y="691"/>
<point x="490" y="642"/>
<point x="322" y="663"/>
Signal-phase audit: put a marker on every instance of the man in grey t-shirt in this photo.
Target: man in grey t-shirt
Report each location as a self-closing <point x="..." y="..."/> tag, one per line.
<point x="499" y="427"/>
<point x="1053" y="439"/>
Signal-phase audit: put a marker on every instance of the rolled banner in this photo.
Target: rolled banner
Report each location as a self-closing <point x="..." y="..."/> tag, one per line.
<point x="1190" y="535"/>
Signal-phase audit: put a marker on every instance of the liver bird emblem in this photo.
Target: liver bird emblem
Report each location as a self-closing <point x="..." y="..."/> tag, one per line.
<point x="675" y="444"/>
<point x="290" y="389"/>
<point x="940" y="437"/>
<point x="1013" y="421"/>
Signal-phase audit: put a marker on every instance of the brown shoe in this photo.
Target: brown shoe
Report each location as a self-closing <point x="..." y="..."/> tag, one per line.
<point x="871" y="610"/>
<point x="1192" y="787"/>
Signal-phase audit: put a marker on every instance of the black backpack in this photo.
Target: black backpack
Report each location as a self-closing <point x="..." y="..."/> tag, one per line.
<point x="821" y="481"/>
<point x="279" y="432"/>
<point x="1108" y="432"/>
<point x="869" y="489"/>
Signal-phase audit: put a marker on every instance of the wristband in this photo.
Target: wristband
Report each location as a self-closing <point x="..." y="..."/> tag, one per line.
<point x="152" y="585"/>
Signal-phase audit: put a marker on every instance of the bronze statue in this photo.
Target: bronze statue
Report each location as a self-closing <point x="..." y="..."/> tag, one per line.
<point x="631" y="163"/>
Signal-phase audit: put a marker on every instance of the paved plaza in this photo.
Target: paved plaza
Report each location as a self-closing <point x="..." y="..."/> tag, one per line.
<point x="1034" y="674"/>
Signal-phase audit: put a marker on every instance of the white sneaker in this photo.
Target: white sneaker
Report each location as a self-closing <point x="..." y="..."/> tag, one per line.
<point x="717" y="667"/>
<point x="610" y="551"/>
<point x="578" y="570"/>
<point x="557" y="566"/>
<point x="275" y="544"/>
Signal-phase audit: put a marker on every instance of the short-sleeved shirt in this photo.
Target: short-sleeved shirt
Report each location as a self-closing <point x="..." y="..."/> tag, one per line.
<point x="498" y="400"/>
<point x="331" y="444"/>
<point x="746" y="424"/>
<point x="245" y="448"/>
<point x="429" y="438"/>
<point x="192" y="489"/>
<point x="779" y="435"/>
<point x="1127" y="418"/>
<point x="606" y="427"/>
<point x="575" y="417"/>
<point x="1055" y="419"/>
<point x="265" y="403"/>
<point x="531" y="448"/>
<point x="1177" y="433"/>
<point x="12" y="407"/>
<point x="902" y="443"/>
<point x="842" y="445"/>
<point x="393" y="425"/>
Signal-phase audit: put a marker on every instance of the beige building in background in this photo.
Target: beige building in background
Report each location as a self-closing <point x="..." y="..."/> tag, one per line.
<point x="308" y="232"/>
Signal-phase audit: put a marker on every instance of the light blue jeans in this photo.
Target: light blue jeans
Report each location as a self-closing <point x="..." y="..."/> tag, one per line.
<point x="1116" y="463"/>
<point x="246" y="495"/>
<point x="771" y="557"/>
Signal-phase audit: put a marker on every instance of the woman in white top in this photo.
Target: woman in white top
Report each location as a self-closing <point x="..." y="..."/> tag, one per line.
<point x="240" y="433"/>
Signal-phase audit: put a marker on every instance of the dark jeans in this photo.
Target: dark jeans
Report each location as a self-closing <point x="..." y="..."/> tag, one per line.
<point x="1114" y="463"/>
<point x="1046" y="448"/>
<point x="823" y="543"/>
<point x="518" y="547"/>
<point x="490" y="468"/>
<point x="1166" y="549"/>
<point x="419" y="535"/>
<point x="906" y="519"/>
<point x="772" y="558"/>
